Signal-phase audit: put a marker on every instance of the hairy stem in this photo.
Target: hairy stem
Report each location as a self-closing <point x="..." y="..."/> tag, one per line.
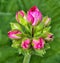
<point x="27" y="58"/>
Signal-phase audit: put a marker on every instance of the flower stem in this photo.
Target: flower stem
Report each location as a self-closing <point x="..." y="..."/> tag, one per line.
<point x="32" y="31"/>
<point x="27" y="58"/>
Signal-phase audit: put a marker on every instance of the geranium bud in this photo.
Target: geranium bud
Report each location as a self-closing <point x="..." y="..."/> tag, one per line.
<point x="47" y="22"/>
<point x="25" y="44"/>
<point x="21" y="17"/>
<point x="13" y="34"/>
<point x="21" y="13"/>
<point x="49" y="37"/>
<point x="38" y="44"/>
<point x="34" y="15"/>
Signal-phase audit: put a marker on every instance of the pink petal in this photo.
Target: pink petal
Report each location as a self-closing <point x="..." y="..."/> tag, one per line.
<point x="30" y="18"/>
<point x="38" y="44"/>
<point x="41" y="42"/>
<point x="36" y="14"/>
<point x="21" y="13"/>
<point x="25" y="44"/>
<point x="12" y="34"/>
<point x="49" y="37"/>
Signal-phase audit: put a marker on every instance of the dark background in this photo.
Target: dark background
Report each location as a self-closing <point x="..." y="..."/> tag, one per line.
<point x="8" y="9"/>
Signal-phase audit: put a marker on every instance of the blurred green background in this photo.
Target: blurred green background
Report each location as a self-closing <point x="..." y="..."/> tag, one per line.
<point x="8" y="9"/>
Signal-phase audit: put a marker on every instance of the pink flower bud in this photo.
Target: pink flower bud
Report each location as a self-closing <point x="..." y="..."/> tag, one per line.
<point x="21" y="14"/>
<point x="49" y="37"/>
<point x="38" y="44"/>
<point x="34" y="15"/>
<point x="13" y="34"/>
<point x="25" y="44"/>
<point x="47" y="21"/>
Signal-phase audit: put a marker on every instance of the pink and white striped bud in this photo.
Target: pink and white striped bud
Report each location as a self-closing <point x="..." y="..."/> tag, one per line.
<point x="34" y="15"/>
<point x="13" y="34"/>
<point x="25" y="44"/>
<point x="21" y="13"/>
<point x="38" y="44"/>
<point x="49" y="37"/>
<point x="47" y="22"/>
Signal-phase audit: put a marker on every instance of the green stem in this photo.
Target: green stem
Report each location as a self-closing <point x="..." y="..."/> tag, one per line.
<point x="32" y="31"/>
<point x="27" y="58"/>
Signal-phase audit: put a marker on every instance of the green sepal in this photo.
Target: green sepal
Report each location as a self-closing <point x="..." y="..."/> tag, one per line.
<point x="15" y="26"/>
<point x="29" y="27"/>
<point x="38" y="30"/>
<point x="22" y="20"/>
<point x="40" y="52"/>
<point x="25" y="31"/>
<point x="46" y="29"/>
<point x="43" y="32"/>
<point x="20" y="35"/>
<point x="37" y="34"/>
<point x="39" y="27"/>
<point x="24" y="51"/>
<point x="47" y="46"/>
<point x="16" y="43"/>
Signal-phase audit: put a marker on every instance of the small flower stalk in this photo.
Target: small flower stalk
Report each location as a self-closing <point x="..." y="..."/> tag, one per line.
<point x="31" y="33"/>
